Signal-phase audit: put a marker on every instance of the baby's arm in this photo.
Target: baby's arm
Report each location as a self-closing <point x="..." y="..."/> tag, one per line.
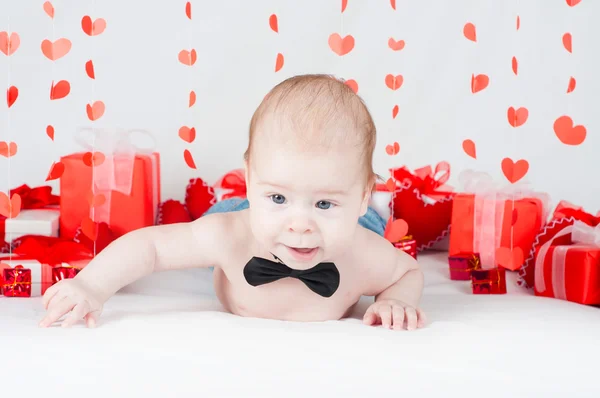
<point x="396" y="281"/>
<point x="131" y="257"/>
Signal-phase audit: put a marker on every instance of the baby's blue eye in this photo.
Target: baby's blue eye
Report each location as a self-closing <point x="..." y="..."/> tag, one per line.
<point x="279" y="199"/>
<point x="323" y="204"/>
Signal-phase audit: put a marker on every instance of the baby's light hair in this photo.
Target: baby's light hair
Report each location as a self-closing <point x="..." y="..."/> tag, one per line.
<point x="322" y="110"/>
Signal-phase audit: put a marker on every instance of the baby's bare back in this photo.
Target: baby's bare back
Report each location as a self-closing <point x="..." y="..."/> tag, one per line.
<point x="287" y="298"/>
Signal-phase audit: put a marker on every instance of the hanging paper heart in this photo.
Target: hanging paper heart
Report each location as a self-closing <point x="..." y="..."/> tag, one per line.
<point x="189" y="159"/>
<point x="89" y="69"/>
<point x="273" y="23"/>
<point x="49" y="9"/>
<point x="188" y="57"/>
<point x="479" y="82"/>
<point x="571" y="86"/>
<point x="93" y="28"/>
<point x="470" y="32"/>
<point x="11" y="95"/>
<point x="353" y="85"/>
<point x="50" y="132"/>
<point x="396" y="45"/>
<point x="56" y="171"/>
<point x="395" y="230"/>
<point x="187" y="134"/>
<point x="568" y="42"/>
<point x="8" y="149"/>
<point x="279" y="62"/>
<point x="60" y="90"/>
<point x="517" y="117"/>
<point x="10" y="208"/>
<point x="510" y="259"/>
<point x="469" y="148"/>
<point x="395" y="110"/>
<point x="192" y="100"/>
<point x="93" y="159"/>
<point x="341" y="46"/>
<point x="567" y="133"/>
<point x="9" y="44"/>
<point x="57" y="49"/>
<point x="514" y="171"/>
<point x="188" y="10"/>
<point x="199" y="197"/>
<point x="394" y="82"/>
<point x="95" y="111"/>
<point x="392" y="149"/>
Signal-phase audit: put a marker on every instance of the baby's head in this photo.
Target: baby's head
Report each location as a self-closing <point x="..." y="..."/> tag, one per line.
<point x="309" y="169"/>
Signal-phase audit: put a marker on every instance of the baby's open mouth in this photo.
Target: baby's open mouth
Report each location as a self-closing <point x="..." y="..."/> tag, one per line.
<point x="303" y="253"/>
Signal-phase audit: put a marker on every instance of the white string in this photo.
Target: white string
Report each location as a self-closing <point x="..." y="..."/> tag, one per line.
<point x="8" y="140"/>
<point x="93" y="208"/>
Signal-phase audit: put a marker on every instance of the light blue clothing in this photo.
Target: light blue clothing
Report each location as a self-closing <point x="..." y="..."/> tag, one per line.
<point x="371" y="220"/>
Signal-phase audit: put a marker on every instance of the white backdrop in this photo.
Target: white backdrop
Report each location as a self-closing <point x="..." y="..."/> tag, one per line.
<point x="143" y="85"/>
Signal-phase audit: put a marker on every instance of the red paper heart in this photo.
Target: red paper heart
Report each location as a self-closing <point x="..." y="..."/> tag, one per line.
<point x="396" y="45"/>
<point x="187" y="134"/>
<point x="192" y="100"/>
<point x="573" y="3"/>
<point x="49" y="9"/>
<point x="395" y="110"/>
<point x="189" y="159"/>
<point x="89" y="69"/>
<point x="392" y="149"/>
<point x="395" y="230"/>
<point x="172" y="212"/>
<point x="56" y="171"/>
<point x="188" y="10"/>
<point x="479" y="83"/>
<point x="390" y="185"/>
<point x="394" y="82"/>
<point x="470" y="32"/>
<point x="95" y="110"/>
<point x="96" y="200"/>
<point x="344" y="4"/>
<point x="567" y="133"/>
<point x="353" y="85"/>
<point x="50" y="131"/>
<point x="188" y="57"/>
<point x="509" y="259"/>
<point x="572" y="84"/>
<point x="273" y="23"/>
<point x="93" y="28"/>
<point x="100" y="231"/>
<point x="568" y="42"/>
<point x="514" y="171"/>
<point x="8" y="149"/>
<point x="279" y="62"/>
<point x="9" y="44"/>
<point x="57" y="49"/>
<point x="515" y="65"/>
<point x="515" y="216"/>
<point x="411" y="208"/>
<point x="11" y="95"/>
<point x="517" y="117"/>
<point x="10" y="208"/>
<point x="199" y="197"/>
<point x="341" y="46"/>
<point x="60" y="90"/>
<point x="93" y="159"/>
<point x="469" y="148"/>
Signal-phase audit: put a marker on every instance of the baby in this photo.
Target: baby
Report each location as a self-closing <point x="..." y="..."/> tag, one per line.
<point x="305" y="246"/>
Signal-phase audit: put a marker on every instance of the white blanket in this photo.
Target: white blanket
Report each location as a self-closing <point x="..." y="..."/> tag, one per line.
<point x="167" y="336"/>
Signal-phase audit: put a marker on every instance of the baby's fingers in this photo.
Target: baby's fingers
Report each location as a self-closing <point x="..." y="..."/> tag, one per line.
<point x="411" y="318"/>
<point x="398" y="313"/>
<point x="422" y="318"/>
<point x="76" y="314"/>
<point x="56" y="311"/>
<point x="385" y="313"/>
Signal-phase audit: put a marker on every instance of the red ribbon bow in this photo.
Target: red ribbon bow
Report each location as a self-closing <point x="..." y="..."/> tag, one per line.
<point x="35" y="198"/>
<point x="427" y="181"/>
<point x="50" y="250"/>
<point x="565" y="209"/>
<point x="234" y="183"/>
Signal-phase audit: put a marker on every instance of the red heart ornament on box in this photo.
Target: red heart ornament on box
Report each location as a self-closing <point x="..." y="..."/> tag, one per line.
<point x="172" y="212"/>
<point x="409" y="206"/>
<point x="510" y="259"/>
<point x="199" y="197"/>
<point x="100" y="231"/>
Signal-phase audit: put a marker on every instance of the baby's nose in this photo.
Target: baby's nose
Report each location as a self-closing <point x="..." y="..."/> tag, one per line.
<point x="301" y="225"/>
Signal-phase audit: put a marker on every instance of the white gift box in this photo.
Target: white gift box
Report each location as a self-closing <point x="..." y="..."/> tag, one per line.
<point x="43" y="222"/>
<point x="41" y="274"/>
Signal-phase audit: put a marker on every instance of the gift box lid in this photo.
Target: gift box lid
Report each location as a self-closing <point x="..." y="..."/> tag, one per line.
<point x="35" y="222"/>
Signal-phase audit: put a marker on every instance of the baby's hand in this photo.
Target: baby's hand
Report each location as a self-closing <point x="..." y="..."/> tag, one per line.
<point x="70" y="295"/>
<point x="392" y="314"/>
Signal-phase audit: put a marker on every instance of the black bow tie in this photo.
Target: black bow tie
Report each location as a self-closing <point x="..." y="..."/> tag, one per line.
<point x="323" y="278"/>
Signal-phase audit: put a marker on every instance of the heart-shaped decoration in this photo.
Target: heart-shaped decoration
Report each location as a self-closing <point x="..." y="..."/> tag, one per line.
<point x="60" y="90"/>
<point x="396" y="45"/>
<point x="10" y="208"/>
<point x="56" y="171"/>
<point x="514" y="171"/>
<point x="96" y="200"/>
<point x="57" y="49"/>
<point x="279" y="62"/>
<point x="172" y="212"/>
<point x="89" y="228"/>
<point x="518" y="22"/>
<point x="515" y="66"/>
<point x="344" y="5"/>
<point x="89" y="69"/>
<point x="50" y="132"/>
<point x="567" y="40"/>
<point x="273" y="23"/>
<point x="470" y="32"/>
<point x="407" y="205"/>
<point x="49" y="9"/>
<point x="188" y="10"/>
<point x="189" y="159"/>
<point x="192" y="100"/>
<point x="469" y="148"/>
<point x="518" y="117"/>
<point x="188" y="57"/>
<point x="393" y="4"/>
<point x="567" y="133"/>
<point x="390" y="184"/>
<point x="510" y="259"/>
<point x="353" y="85"/>
<point x="341" y="46"/>
<point x="395" y="230"/>
<point x="93" y="159"/>
<point x="9" y="44"/>
<point x="571" y="86"/>
<point x="95" y="111"/>
<point x="93" y="28"/>
<point x="199" y="197"/>
<point x="515" y="216"/>
<point x="8" y="149"/>
<point x="395" y="110"/>
<point x="479" y="82"/>
<point x="392" y="149"/>
<point x="187" y="134"/>
<point x="11" y="95"/>
<point x="394" y="82"/>
<point x="573" y="3"/>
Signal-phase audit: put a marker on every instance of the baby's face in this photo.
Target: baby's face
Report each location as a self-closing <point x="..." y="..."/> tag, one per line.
<point x="304" y="207"/>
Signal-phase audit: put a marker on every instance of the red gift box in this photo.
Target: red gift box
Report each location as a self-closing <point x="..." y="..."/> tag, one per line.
<point x="16" y="282"/>
<point x="489" y="281"/>
<point x="499" y="223"/>
<point x="570" y="272"/>
<point x="407" y="244"/>
<point x="461" y="265"/>
<point x="564" y="216"/>
<point x="424" y="202"/>
<point x="115" y="183"/>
